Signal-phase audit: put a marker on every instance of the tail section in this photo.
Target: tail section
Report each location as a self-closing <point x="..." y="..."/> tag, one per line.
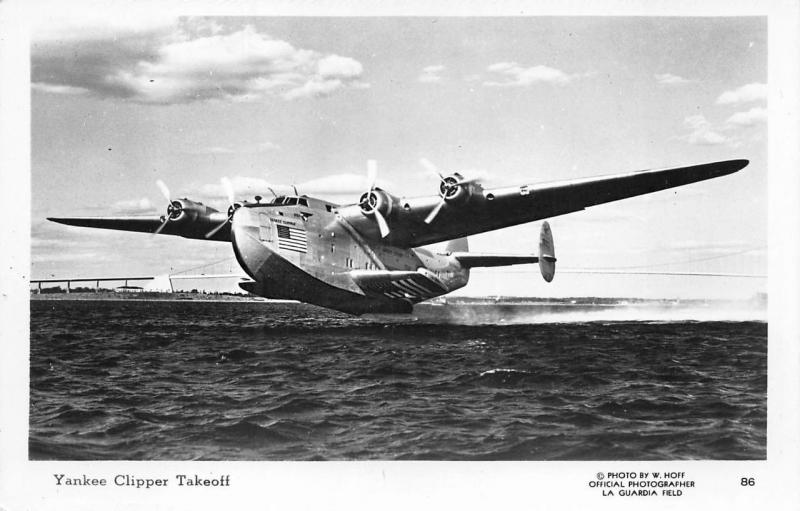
<point x="457" y="245"/>
<point x="546" y="257"/>
<point x="547" y="253"/>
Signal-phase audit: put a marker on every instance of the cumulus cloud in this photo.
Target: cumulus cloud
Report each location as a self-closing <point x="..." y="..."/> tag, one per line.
<point x="431" y="74"/>
<point x="735" y="130"/>
<point x="340" y="188"/>
<point x="755" y="115"/>
<point x="243" y="187"/>
<point x="133" y="207"/>
<point x="192" y="62"/>
<point x="702" y="133"/>
<point x="744" y="94"/>
<point x="511" y="74"/>
<point x="671" y="79"/>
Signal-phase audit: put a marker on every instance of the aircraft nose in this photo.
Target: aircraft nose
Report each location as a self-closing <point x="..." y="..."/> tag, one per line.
<point x="247" y="247"/>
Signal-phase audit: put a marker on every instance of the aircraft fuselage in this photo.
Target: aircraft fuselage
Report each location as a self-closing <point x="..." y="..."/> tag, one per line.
<point x="307" y="251"/>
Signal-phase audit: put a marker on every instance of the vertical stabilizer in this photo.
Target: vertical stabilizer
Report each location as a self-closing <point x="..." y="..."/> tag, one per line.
<point x="457" y="245"/>
<point x="547" y="253"/>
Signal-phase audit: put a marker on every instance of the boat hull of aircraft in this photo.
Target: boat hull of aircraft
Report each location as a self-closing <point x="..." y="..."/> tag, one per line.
<point x="314" y="258"/>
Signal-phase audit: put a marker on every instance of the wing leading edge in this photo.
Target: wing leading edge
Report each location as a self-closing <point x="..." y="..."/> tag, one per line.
<point x="146" y="224"/>
<point x="507" y="206"/>
<point x="574" y="195"/>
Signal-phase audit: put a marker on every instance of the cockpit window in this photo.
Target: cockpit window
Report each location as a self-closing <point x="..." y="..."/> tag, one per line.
<point x="303" y="202"/>
<point x="290" y="201"/>
<point x="278" y="199"/>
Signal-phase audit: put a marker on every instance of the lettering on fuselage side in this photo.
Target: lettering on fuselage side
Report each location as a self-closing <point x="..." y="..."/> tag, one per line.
<point x="264" y="227"/>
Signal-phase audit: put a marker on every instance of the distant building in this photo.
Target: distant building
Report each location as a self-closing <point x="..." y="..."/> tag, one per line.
<point x="128" y="289"/>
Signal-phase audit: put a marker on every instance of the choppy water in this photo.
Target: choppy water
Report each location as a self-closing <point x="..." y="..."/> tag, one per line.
<point x="256" y="381"/>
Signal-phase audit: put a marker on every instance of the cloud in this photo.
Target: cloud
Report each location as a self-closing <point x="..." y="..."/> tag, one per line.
<point x="194" y="61"/>
<point x="58" y="89"/>
<point x="744" y="94"/>
<point x="340" y="188"/>
<point x="514" y="75"/>
<point x="733" y="132"/>
<point x="133" y="207"/>
<point x="65" y="23"/>
<point x="431" y="74"/>
<point x="340" y="184"/>
<point x="267" y="146"/>
<point x="670" y="79"/>
<point x="243" y="188"/>
<point x="702" y="133"/>
<point x="260" y="147"/>
<point x="755" y="115"/>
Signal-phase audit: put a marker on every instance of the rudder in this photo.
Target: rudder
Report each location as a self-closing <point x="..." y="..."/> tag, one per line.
<point x="547" y="253"/>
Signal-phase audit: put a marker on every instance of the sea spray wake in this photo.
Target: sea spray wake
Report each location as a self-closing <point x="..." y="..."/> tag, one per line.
<point x="256" y="381"/>
<point x="532" y="314"/>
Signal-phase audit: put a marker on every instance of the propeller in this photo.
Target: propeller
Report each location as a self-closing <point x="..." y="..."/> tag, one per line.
<point x="173" y="210"/>
<point x="228" y="186"/>
<point x="370" y="201"/>
<point x="449" y="186"/>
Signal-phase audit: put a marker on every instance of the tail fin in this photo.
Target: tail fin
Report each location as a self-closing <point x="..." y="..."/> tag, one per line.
<point x="457" y="245"/>
<point x="547" y="253"/>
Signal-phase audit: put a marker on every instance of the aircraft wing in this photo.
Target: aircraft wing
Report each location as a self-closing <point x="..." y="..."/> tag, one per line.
<point x="490" y="209"/>
<point x="558" y="198"/>
<point x="146" y="224"/>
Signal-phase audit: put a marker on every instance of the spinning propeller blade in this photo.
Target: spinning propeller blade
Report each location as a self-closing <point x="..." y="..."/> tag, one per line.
<point x="430" y="166"/>
<point x="435" y="211"/>
<point x="165" y="193"/>
<point x="372" y="173"/>
<point x="370" y="200"/>
<point x="228" y="187"/>
<point x="382" y="225"/>
<point x="447" y="185"/>
<point x="164" y="189"/>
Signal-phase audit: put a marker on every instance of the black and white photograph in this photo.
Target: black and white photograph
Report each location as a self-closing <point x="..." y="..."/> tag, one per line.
<point x="356" y="242"/>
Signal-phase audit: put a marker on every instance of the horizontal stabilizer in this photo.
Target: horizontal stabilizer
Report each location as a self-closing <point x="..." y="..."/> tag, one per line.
<point x="474" y="260"/>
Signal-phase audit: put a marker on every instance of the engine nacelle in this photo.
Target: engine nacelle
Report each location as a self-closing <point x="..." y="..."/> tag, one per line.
<point x="376" y="200"/>
<point x="454" y="189"/>
<point x="192" y="215"/>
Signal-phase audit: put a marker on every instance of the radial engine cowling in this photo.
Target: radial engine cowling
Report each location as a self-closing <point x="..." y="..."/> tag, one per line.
<point x="377" y="205"/>
<point x="192" y="217"/>
<point x="454" y="189"/>
<point x="375" y="201"/>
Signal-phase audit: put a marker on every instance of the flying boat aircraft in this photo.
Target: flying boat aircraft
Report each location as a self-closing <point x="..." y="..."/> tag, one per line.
<point x="370" y="257"/>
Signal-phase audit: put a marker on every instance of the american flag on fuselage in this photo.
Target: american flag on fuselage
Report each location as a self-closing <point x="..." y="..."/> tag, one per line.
<point x="292" y="238"/>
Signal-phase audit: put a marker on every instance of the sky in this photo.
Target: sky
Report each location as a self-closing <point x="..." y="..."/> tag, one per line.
<point x="118" y="103"/>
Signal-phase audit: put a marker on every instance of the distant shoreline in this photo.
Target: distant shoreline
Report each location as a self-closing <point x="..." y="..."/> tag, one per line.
<point x="758" y="301"/>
